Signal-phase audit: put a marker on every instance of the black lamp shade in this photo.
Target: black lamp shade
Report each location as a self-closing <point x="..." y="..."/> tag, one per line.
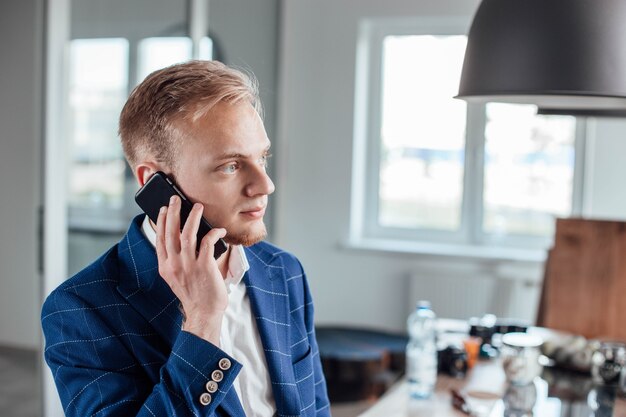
<point x="558" y="54"/>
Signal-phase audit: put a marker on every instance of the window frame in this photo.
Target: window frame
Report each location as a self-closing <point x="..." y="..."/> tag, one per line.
<point x="364" y="227"/>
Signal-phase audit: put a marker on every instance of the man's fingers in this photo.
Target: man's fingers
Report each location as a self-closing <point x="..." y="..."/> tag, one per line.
<point x="190" y="229"/>
<point x="172" y="226"/>
<point x="160" y="234"/>
<point x="207" y="248"/>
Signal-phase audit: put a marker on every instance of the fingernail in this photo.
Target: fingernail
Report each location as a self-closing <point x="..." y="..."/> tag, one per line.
<point x="162" y="210"/>
<point x="172" y="199"/>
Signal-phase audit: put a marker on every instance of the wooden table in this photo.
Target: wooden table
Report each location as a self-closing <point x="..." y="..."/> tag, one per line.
<point x="487" y="381"/>
<point x="396" y="403"/>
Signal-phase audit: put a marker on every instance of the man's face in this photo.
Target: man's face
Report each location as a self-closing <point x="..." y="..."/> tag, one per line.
<point x="221" y="163"/>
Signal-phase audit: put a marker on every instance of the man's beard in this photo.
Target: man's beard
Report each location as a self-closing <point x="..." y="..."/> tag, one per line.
<point x="246" y="239"/>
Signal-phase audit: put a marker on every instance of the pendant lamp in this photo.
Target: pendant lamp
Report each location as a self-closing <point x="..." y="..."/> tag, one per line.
<point x="565" y="55"/>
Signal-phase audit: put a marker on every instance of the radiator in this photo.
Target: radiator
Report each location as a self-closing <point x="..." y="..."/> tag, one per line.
<point x="505" y="292"/>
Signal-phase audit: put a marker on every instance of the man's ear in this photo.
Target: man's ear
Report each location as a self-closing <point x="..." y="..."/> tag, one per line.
<point x="144" y="171"/>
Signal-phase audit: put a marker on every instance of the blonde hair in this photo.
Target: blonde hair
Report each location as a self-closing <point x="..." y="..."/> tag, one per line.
<point x="182" y="91"/>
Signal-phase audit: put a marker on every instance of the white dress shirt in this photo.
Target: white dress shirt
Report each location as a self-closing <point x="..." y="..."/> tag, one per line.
<point x="240" y="337"/>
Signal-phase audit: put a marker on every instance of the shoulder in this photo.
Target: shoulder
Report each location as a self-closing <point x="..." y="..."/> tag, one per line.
<point x="279" y="264"/>
<point x="272" y="255"/>
<point x="97" y="283"/>
<point x="94" y="285"/>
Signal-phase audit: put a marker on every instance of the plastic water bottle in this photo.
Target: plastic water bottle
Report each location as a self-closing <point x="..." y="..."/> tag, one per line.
<point x="421" y="351"/>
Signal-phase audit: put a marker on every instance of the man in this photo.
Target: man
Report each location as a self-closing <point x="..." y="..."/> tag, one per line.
<point x="156" y="328"/>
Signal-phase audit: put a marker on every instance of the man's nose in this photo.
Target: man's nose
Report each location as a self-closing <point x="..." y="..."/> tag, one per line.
<point x="260" y="183"/>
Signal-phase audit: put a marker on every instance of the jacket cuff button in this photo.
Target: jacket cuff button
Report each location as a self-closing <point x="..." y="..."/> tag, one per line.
<point x="217" y="375"/>
<point x="224" y="364"/>
<point x="205" y="399"/>
<point x="211" y="386"/>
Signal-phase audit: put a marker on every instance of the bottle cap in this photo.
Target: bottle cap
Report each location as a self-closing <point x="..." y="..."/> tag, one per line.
<point x="423" y="304"/>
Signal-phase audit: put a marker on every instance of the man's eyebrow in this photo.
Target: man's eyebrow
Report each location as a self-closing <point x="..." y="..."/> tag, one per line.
<point x="236" y="155"/>
<point x="233" y="155"/>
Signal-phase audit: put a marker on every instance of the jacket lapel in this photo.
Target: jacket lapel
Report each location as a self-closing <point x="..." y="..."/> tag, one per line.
<point x="269" y="300"/>
<point x="143" y="288"/>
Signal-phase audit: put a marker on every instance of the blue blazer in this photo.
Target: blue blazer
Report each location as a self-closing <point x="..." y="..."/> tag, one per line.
<point x="115" y="347"/>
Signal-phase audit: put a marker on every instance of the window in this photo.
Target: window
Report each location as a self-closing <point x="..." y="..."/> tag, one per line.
<point x="422" y="133"/>
<point x="98" y="86"/>
<point x="431" y="168"/>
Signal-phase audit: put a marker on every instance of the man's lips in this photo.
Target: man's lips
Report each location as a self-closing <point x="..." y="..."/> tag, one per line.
<point x="255" y="213"/>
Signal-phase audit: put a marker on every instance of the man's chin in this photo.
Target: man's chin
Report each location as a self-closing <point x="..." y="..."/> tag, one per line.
<point x="245" y="239"/>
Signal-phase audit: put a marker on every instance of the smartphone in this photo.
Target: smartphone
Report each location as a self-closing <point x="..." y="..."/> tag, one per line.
<point x="156" y="193"/>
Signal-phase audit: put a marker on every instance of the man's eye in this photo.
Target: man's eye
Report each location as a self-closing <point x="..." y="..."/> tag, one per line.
<point x="264" y="159"/>
<point x="230" y="168"/>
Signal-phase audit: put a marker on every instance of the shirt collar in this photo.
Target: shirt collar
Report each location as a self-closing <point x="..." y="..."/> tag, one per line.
<point x="237" y="262"/>
<point x="148" y="231"/>
<point x="237" y="265"/>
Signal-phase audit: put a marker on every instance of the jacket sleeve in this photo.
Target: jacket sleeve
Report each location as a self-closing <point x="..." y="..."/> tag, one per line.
<point x="97" y="373"/>
<point x="322" y="404"/>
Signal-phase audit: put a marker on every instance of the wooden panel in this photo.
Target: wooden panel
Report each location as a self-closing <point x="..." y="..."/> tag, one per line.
<point x="585" y="280"/>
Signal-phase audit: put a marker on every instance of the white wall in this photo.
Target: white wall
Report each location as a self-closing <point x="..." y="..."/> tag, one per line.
<point x="20" y="116"/>
<point x="315" y="132"/>
<point x="135" y="19"/>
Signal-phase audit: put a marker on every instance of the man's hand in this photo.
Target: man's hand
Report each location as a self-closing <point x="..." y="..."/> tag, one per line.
<point x="193" y="276"/>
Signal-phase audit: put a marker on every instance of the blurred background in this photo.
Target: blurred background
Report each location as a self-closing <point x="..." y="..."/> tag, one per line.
<point x="388" y="189"/>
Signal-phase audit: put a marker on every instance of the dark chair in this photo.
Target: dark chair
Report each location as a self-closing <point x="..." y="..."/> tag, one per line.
<point x="360" y="364"/>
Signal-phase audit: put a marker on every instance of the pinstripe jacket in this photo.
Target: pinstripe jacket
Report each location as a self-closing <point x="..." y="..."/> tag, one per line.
<point x="115" y="347"/>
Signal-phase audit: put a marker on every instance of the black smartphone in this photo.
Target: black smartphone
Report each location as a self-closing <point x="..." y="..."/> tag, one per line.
<point x="156" y="193"/>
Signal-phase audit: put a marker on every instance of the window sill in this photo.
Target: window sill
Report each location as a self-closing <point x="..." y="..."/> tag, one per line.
<point x="461" y="252"/>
